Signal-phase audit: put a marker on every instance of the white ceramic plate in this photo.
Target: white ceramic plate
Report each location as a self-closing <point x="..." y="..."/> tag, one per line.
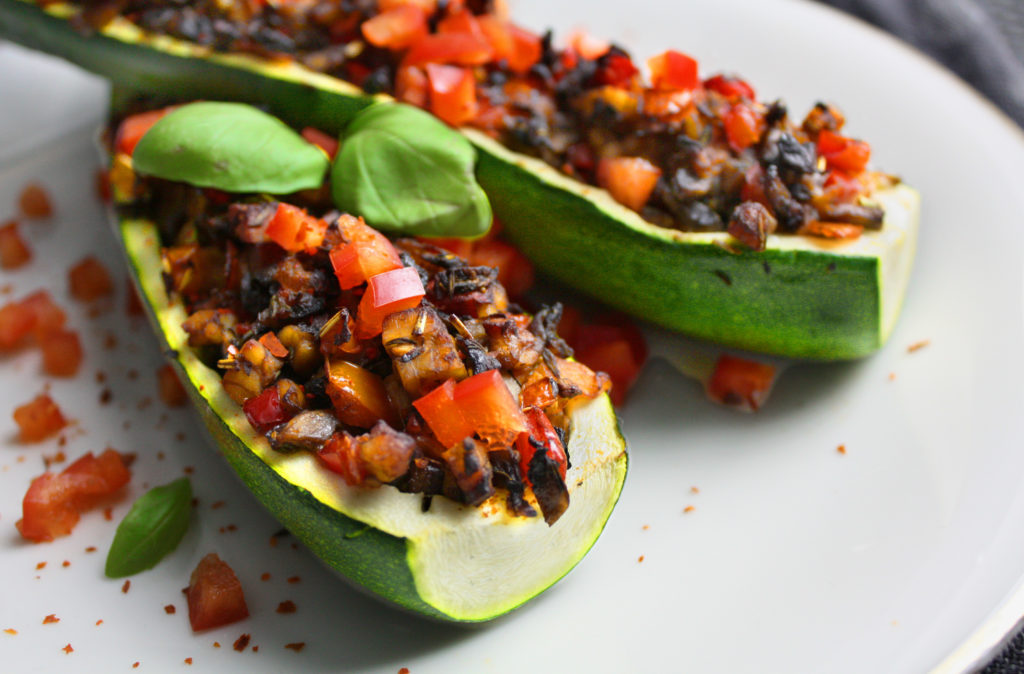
<point x="902" y="555"/>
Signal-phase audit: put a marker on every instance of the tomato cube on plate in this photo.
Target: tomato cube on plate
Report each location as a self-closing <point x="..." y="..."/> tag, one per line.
<point x="215" y="596"/>
<point x="38" y="419"/>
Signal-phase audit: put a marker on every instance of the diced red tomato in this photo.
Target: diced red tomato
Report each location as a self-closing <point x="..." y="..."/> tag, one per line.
<point x="215" y="596"/>
<point x="526" y="49"/>
<point x="452" y="93"/>
<point x="47" y="317"/>
<point x="16" y="322"/>
<point x="740" y="382"/>
<point x="412" y="86"/>
<point x="673" y="70"/>
<point x="38" y="419"/>
<point x="387" y="293"/>
<point x="487" y="405"/>
<point x="366" y="253"/>
<point x="461" y="21"/>
<point x="617" y="70"/>
<point x="133" y="128"/>
<point x="458" y="48"/>
<point x="743" y="126"/>
<point x="843" y="154"/>
<point x="543" y="432"/>
<point x="265" y="410"/>
<point x="295" y="230"/>
<point x="396" y="28"/>
<point x="615" y="346"/>
<point x="326" y="142"/>
<point x="443" y="417"/>
<point x="630" y="180"/>
<point x="841" y="187"/>
<point x="34" y="202"/>
<point x="96" y="477"/>
<point x="62" y="353"/>
<point x="341" y="456"/>
<point x="169" y="387"/>
<point x="588" y="46"/>
<point x="89" y="280"/>
<point x="515" y="271"/>
<point x="497" y="34"/>
<point x="48" y="509"/>
<point x="730" y="87"/>
<point x="14" y="252"/>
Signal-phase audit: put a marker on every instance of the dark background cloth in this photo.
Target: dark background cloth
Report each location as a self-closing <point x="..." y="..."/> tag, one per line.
<point x="983" y="42"/>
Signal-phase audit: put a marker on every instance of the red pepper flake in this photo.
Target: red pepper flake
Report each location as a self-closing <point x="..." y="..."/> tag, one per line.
<point x="91" y="548"/>
<point x="135" y="665"/>
<point x="11" y="631"/>
<point x="127" y="586"/>
<point x="241" y="642"/>
<point x="188" y="661"/>
<point x="689" y="509"/>
<point x="694" y="490"/>
<point x="65" y="563"/>
<point x="52" y="618"/>
<point x="841" y="449"/>
<point x="265" y="577"/>
<point x="144" y="403"/>
<point x="232" y="527"/>
<point x="133" y="374"/>
<point x="179" y="436"/>
<point x="403" y="670"/>
<point x="110" y="341"/>
<point x="188" y="470"/>
<point x="639" y="559"/>
<point x="294" y="579"/>
<point x="106" y="395"/>
<point x="40" y="565"/>
<point x="256" y="649"/>
<point x="892" y="376"/>
<point x="99" y="622"/>
<point x="287" y="606"/>
<point x="273" y="541"/>
<point x="67" y="649"/>
<point x="296" y="646"/>
<point x="170" y="609"/>
<point x="101" y="376"/>
<point x="159" y="456"/>
<point x="917" y="346"/>
<point x="646" y="527"/>
<point x="217" y="504"/>
<point x="108" y="513"/>
<point x="216" y="644"/>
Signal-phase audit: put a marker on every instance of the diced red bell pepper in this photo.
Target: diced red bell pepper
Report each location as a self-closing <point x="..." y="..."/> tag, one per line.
<point x="38" y="419"/>
<point x="412" y="86"/>
<point x="48" y="509"/>
<point x="673" y="70"/>
<point x="295" y="230"/>
<point x="133" y="128"/>
<point x="265" y="410"/>
<point x="497" y="34"/>
<point x="630" y="180"/>
<point x="215" y="596"/>
<point x="452" y="93"/>
<point x="730" y="87"/>
<point x="62" y="353"/>
<point x="743" y="126"/>
<point x="543" y="432"/>
<point x="387" y="293"/>
<point x="526" y="49"/>
<point x="47" y="317"/>
<point x="367" y="253"/>
<point x="396" y="28"/>
<point x="588" y="46"/>
<point x="515" y="271"/>
<point x="617" y="70"/>
<point x="843" y="154"/>
<point x="443" y="416"/>
<point x="14" y="252"/>
<point x="89" y="280"/>
<point x="616" y="347"/>
<point x="740" y="382"/>
<point x="96" y="477"/>
<point x="461" y="21"/>
<point x="340" y="455"/>
<point x="488" y="406"/>
<point x="326" y="142"/>
<point x="458" y="48"/>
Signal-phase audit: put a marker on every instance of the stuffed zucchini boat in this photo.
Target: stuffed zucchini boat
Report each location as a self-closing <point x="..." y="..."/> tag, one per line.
<point x="684" y="201"/>
<point x="381" y="398"/>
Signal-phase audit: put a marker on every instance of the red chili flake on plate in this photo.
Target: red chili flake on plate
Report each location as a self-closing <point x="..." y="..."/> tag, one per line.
<point x="646" y="527"/>
<point x="106" y="395"/>
<point x="170" y="609"/>
<point x="132" y="374"/>
<point x="160" y="456"/>
<point x="689" y="509"/>
<point x="66" y="563"/>
<point x="639" y="559"/>
<point x="273" y="541"/>
<point x="67" y="649"/>
<point x="188" y="470"/>
<point x="52" y="618"/>
<point x="265" y="577"/>
<point x="296" y="646"/>
<point x="91" y="548"/>
<point x="40" y="565"/>
<point x="11" y="631"/>
<point x="241" y="642"/>
<point x="188" y="661"/>
<point x="294" y="579"/>
<point x="917" y="346"/>
<point x="694" y="490"/>
<point x="256" y="649"/>
<point x="99" y="622"/>
<point x="108" y="513"/>
<point x="216" y="644"/>
<point x="841" y="449"/>
<point x="135" y="665"/>
<point x="403" y="670"/>
<point x="34" y="202"/>
<point x="287" y="606"/>
<point x="217" y="504"/>
<point x="127" y="586"/>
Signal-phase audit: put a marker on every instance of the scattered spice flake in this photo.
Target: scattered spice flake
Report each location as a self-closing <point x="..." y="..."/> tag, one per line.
<point x="11" y="631"/>
<point x="170" y="609"/>
<point x="265" y="577"/>
<point x="34" y="202"/>
<point x="101" y="377"/>
<point x="689" y="509"/>
<point x="694" y="490"/>
<point x="144" y="403"/>
<point x="216" y="504"/>
<point x="403" y="670"/>
<point x="892" y="376"/>
<point x="133" y="374"/>
<point x="189" y="470"/>
<point x="66" y="563"/>
<point x="232" y="527"/>
<point x="188" y="661"/>
<point x="135" y="665"/>
<point x="159" y="456"/>
<point x="639" y="559"/>
<point x="108" y="513"/>
<point x="917" y="346"/>
<point x="59" y="457"/>
<point x="216" y="644"/>
<point x="40" y="565"/>
<point x="287" y="606"/>
<point x="296" y="646"/>
<point x="106" y="395"/>
<point x="256" y="649"/>
<point x="110" y="341"/>
<point x="273" y="541"/>
<point x="127" y="586"/>
<point x="91" y="548"/>
<point x="99" y="622"/>
<point x="180" y="436"/>
<point x="646" y="527"/>
<point x="841" y="449"/>
<point x="67" y="649"/>
<point x="52" y="618"/>
<point x="294" y="579"/>
<point x="241" y="642"/>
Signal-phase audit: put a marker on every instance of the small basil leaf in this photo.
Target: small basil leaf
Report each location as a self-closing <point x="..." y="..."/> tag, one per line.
<point x="404" y="170"/>
<point x="231" y="147"/>
<point x="152" y="529"/>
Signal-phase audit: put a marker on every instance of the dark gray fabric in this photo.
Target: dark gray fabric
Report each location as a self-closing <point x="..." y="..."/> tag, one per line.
<point x="983" y="42"/>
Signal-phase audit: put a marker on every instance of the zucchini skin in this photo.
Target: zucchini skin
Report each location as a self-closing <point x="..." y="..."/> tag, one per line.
<point x="812" y="304"/>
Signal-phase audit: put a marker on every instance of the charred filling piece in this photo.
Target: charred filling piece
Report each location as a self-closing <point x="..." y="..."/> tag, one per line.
<point x="687" y="154"/>
<point x="396" y="363"/>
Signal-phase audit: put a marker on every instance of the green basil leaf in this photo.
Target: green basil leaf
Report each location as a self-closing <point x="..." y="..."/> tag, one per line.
<point x="231" y="147"/>
<point x="152" y="529"/>
<point x="406" y="171"/>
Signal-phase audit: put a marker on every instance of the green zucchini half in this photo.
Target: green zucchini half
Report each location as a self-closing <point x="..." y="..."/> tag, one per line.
<point x="802" y="297"/>
<point x="453" y="562"/>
